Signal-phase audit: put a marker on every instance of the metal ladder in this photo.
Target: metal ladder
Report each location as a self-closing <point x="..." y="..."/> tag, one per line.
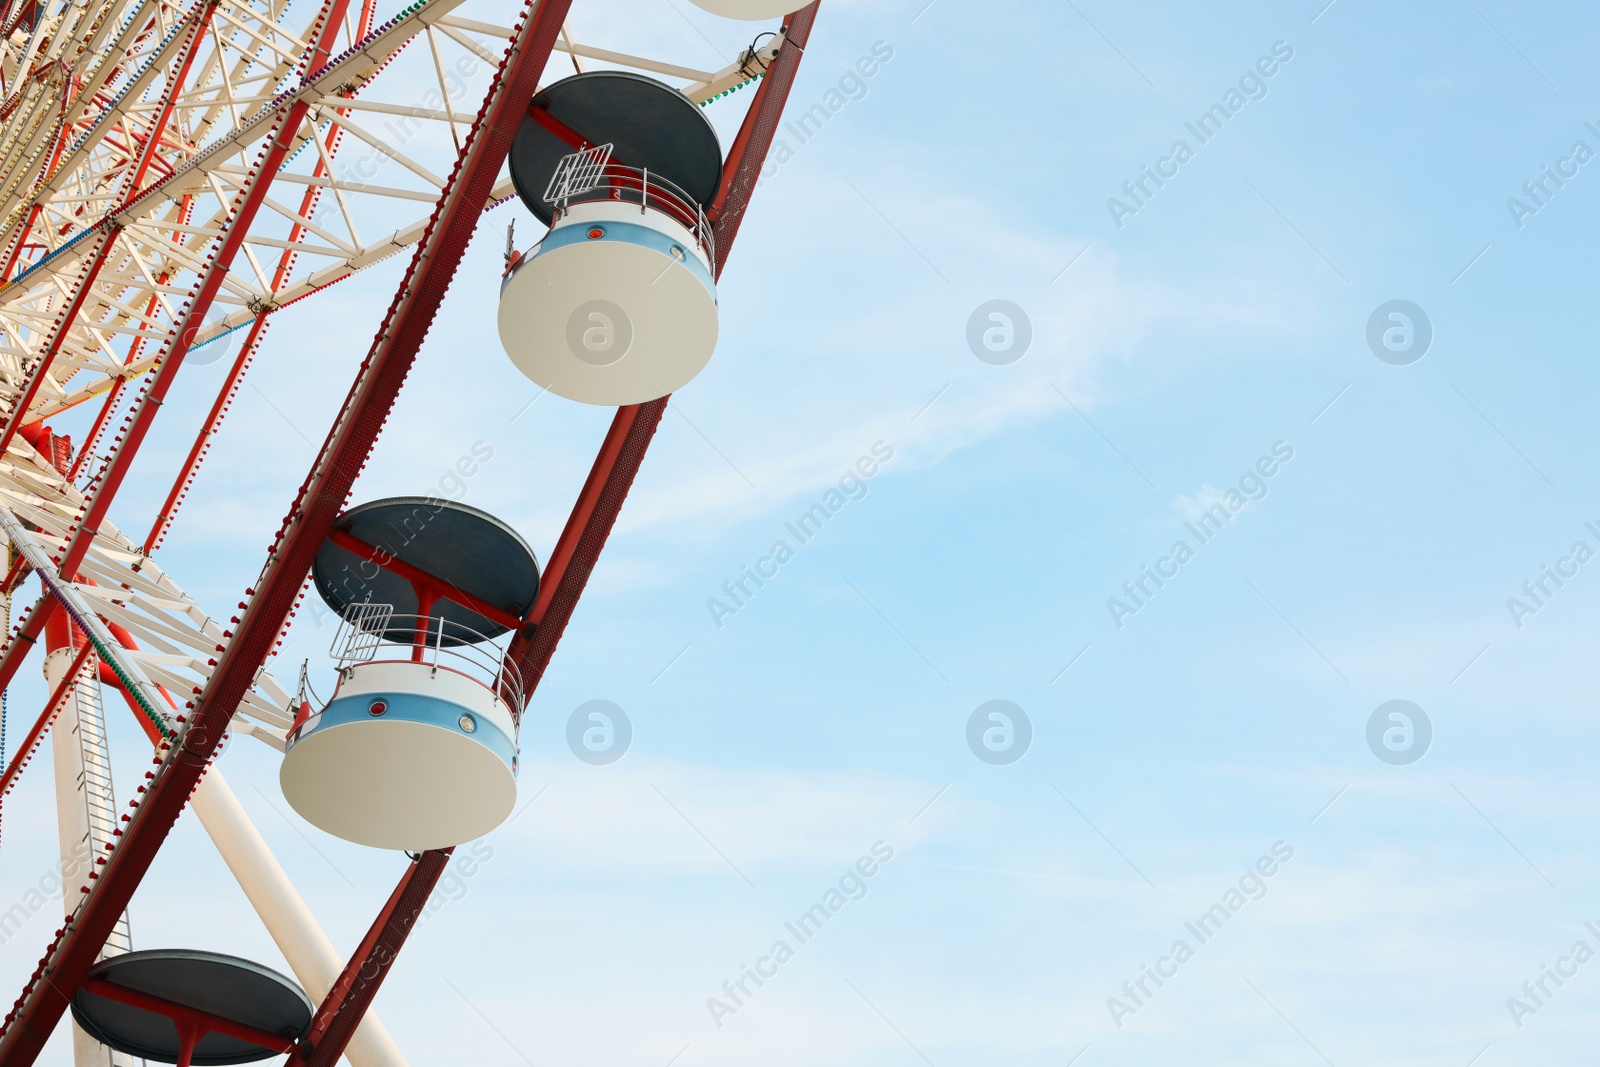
<point x="101" y="804"/>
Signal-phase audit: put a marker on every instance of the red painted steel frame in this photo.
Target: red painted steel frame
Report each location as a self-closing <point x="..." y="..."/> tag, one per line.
<point x="319" y="503"/>
<point x="345" y="1004"/>
<point x="423" y="582"/>
<point x="26" y="637"/>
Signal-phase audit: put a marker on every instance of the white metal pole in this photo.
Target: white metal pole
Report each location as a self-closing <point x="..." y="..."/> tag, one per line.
<point x="311" y="955"/>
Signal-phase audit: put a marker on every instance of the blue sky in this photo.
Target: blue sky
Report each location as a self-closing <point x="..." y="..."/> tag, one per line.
<point x="1228" y="715"/>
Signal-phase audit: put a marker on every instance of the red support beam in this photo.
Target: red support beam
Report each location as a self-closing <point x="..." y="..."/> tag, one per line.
<point x="341" y="1010"/>
<point x="424" y="583"/>
<point x="26" y="637"/>
<point x="584" y="535"/>
<point x="628" y="438"/>
<point x="563" y="133"/>
<point x="175" y="83"/>
<point x="14" y="575"/>
<point x="320" y="500"/>
<point x="754" y="140"/>
<point x="183" y="1015"/>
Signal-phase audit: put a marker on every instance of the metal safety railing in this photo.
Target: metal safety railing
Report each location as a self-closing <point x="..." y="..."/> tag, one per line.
<point x="367" y="629"/>
<point x="577" y="173"/>
<point x="589" y="176"/>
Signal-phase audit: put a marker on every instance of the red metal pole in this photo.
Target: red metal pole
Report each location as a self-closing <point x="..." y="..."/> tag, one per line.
<point x="318" y="504"/>
<point x="584" y="535"/>
<point x="14" y="575"/>
<point x="158" y="129"/>
<point x="18" y="647"/>
<point x="198" y="1022"/>
<point x="629" y="436"/>
<point x="341" y="1010"/>
<point x="421" y="580"/>
<point x="112" y="395"/>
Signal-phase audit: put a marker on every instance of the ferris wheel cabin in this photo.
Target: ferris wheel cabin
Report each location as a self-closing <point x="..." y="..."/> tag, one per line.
<point x="618" y="303"/>
<point x="417" y="747"/>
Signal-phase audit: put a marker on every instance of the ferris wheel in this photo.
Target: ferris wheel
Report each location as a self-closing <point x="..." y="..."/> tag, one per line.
<point x="174" y="172"/>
